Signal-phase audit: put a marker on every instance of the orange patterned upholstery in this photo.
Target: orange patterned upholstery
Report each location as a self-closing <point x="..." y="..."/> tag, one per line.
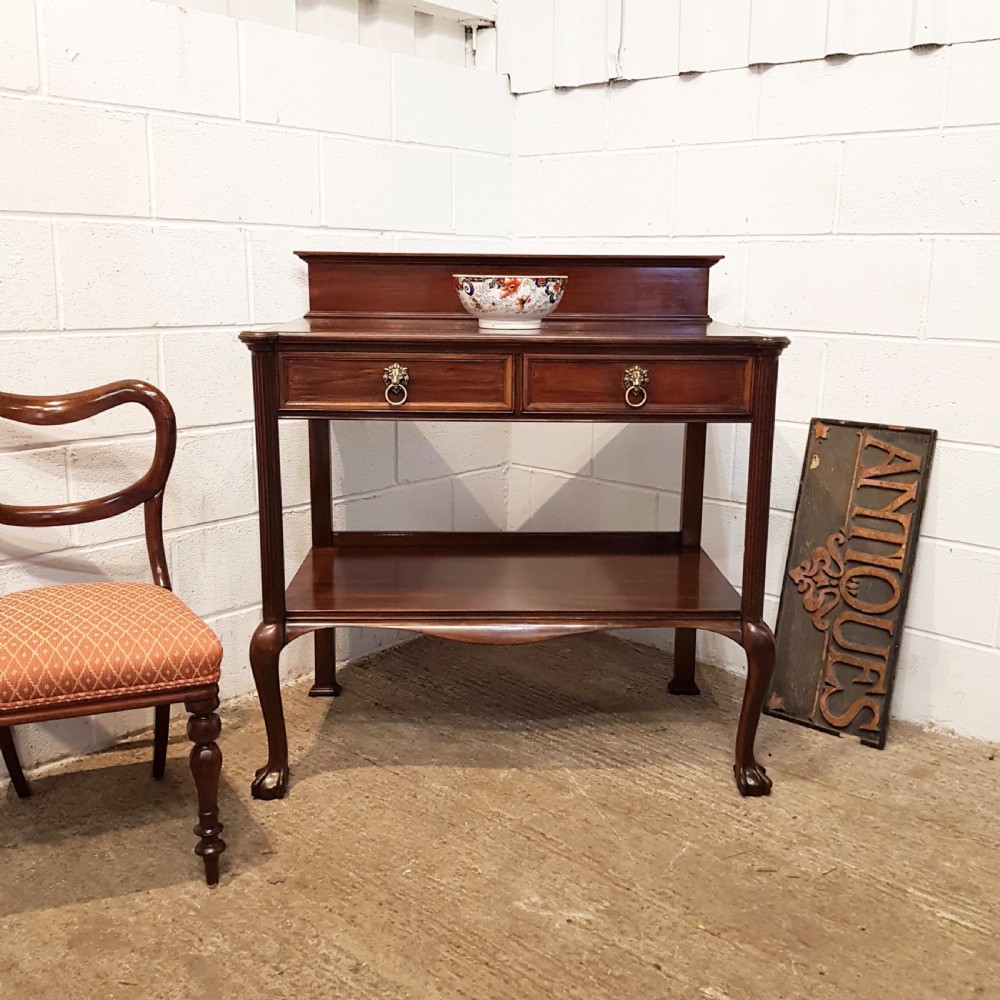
<point x="82" y="641"/>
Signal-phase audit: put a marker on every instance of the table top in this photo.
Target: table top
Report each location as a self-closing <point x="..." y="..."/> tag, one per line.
<point x="700" y="337"/>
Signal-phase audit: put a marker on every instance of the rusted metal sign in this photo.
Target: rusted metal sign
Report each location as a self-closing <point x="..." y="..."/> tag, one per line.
<point x="850" y="560"/>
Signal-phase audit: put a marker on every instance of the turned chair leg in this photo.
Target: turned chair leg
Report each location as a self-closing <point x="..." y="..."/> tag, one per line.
<point x="204" y="727"/>
<point x="12" y="762"/>
<point x="161" y="730"/>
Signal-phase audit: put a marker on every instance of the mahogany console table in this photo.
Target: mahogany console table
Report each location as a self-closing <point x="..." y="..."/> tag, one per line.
<point x="386" y="338"/>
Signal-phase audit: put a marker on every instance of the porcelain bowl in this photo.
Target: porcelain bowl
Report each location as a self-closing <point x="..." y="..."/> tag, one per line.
<point x="509" y="302"/>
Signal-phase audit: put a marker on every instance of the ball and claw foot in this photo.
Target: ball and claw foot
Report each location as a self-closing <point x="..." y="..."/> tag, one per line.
<point x="752" y="779"/>
<point x="675" y="686"/>
<point x="270" y="784"/>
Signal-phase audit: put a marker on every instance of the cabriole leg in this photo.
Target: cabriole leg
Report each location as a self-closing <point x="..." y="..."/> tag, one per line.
<point x="758" y="641"/>
<point x="265" y="650"/>
<point x="204" y="727"/>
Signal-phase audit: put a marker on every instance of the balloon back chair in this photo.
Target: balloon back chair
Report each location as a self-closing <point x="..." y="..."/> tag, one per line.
<point x="88" y="648"/>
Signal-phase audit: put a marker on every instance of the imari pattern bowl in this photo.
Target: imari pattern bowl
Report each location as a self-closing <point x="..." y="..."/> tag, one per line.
<point x="509" y="303"/>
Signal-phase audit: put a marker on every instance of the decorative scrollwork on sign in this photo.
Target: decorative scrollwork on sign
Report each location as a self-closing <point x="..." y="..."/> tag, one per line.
<point x="818" y="579"/>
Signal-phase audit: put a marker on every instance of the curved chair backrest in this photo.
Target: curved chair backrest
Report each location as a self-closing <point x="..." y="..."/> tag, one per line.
<point x="148" y="490"/>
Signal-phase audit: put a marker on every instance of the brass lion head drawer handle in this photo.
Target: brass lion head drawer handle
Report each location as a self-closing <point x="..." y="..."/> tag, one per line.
<point x="396" y="379"/>
<point x="636" y="379"/>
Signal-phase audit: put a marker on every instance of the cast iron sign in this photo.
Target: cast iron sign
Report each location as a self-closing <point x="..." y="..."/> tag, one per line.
<point x="850" y="560"/>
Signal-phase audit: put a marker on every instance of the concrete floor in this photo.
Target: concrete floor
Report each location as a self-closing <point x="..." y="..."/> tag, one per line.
<point x="514" y="822"/>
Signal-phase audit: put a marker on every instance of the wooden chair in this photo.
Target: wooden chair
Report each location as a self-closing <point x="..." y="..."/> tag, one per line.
<point x="83" y="649"/>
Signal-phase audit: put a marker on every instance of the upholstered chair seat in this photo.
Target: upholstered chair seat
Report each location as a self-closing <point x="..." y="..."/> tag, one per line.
<point x="92" y="640"/>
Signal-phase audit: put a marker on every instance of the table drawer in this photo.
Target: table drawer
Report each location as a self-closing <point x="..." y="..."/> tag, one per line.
<point x="396" y="382"/>
<point x="668" y="385"/>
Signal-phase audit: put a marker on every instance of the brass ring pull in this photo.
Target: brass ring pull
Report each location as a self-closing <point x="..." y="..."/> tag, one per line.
<point x="641" y="401"/>
<point x="389" y="389"/>
<point x="636" y="379"/>
<point x="396" y="379"/>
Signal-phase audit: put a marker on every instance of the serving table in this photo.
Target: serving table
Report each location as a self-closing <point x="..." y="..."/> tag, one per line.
<point x="386" y="338"/>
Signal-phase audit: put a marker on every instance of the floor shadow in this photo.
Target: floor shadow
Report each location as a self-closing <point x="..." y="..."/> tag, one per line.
<point x="586" y="702"/>
<point x="100" y="828"/>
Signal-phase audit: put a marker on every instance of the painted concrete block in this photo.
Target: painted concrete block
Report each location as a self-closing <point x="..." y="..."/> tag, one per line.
<point x="950" y="685"/>
<point x="561" y="121"/>
<point x="955" y="591"/>
<point x="960" y="472"/>
<point x="527" y="197"/>
<point x="210" y="585"/>
<point x="560" y="447"/>
<point x="279" y="279"/>
<point x="73" y="159"/>
<point x="149" y="55"/>
<point x="411" y="507"/>
<point x="129" y="276"/>
<point x="379" y="186"/>
<point x="27" y="276"/>
<point x="971" y="99"/>
<point x="702" y="108"/>
<point x="429" y="450"/>
<point x="54" y="365"/>
<point x="608" y="194"/>
<point x="363" y="456"/>
<point x="479" y="500"/>
<point x="560" y="503"/>
<point x="788" y="188"/>
<point x="926" y="183"/>
<point x="862" y="286"/>
<point x="207" y="395"/>
<point x="234" y="173"/>
<point x="890" y="90"/>
<point x="964" y="293"/>
<point x="19" y="53"/>
<point x="449" y="106"/>
<point x="483" y="194"/>
<point x="306" y="81"/>
<point x="33" y="478"/>
<point x="949" y="387"/>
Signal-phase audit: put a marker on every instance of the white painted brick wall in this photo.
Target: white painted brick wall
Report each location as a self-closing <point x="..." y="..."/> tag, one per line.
<point x="859" y="203"/>
<point x="370" y="185"/>
<point x="85" y="161"/>
<point x="315" y="83"/>
<point x="235" y="173"/>
<point x="162" y="163"/>
<point x="616" y="194"/>
<point x="669" y="111"/>
<point x="19" y="52"/>
<point x="772" y="188"/>
<point x="443" y="105"/>
<point x="148" y="55"/>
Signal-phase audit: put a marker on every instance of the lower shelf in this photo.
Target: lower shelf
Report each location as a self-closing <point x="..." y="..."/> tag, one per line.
<point x="482" y="579"/>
